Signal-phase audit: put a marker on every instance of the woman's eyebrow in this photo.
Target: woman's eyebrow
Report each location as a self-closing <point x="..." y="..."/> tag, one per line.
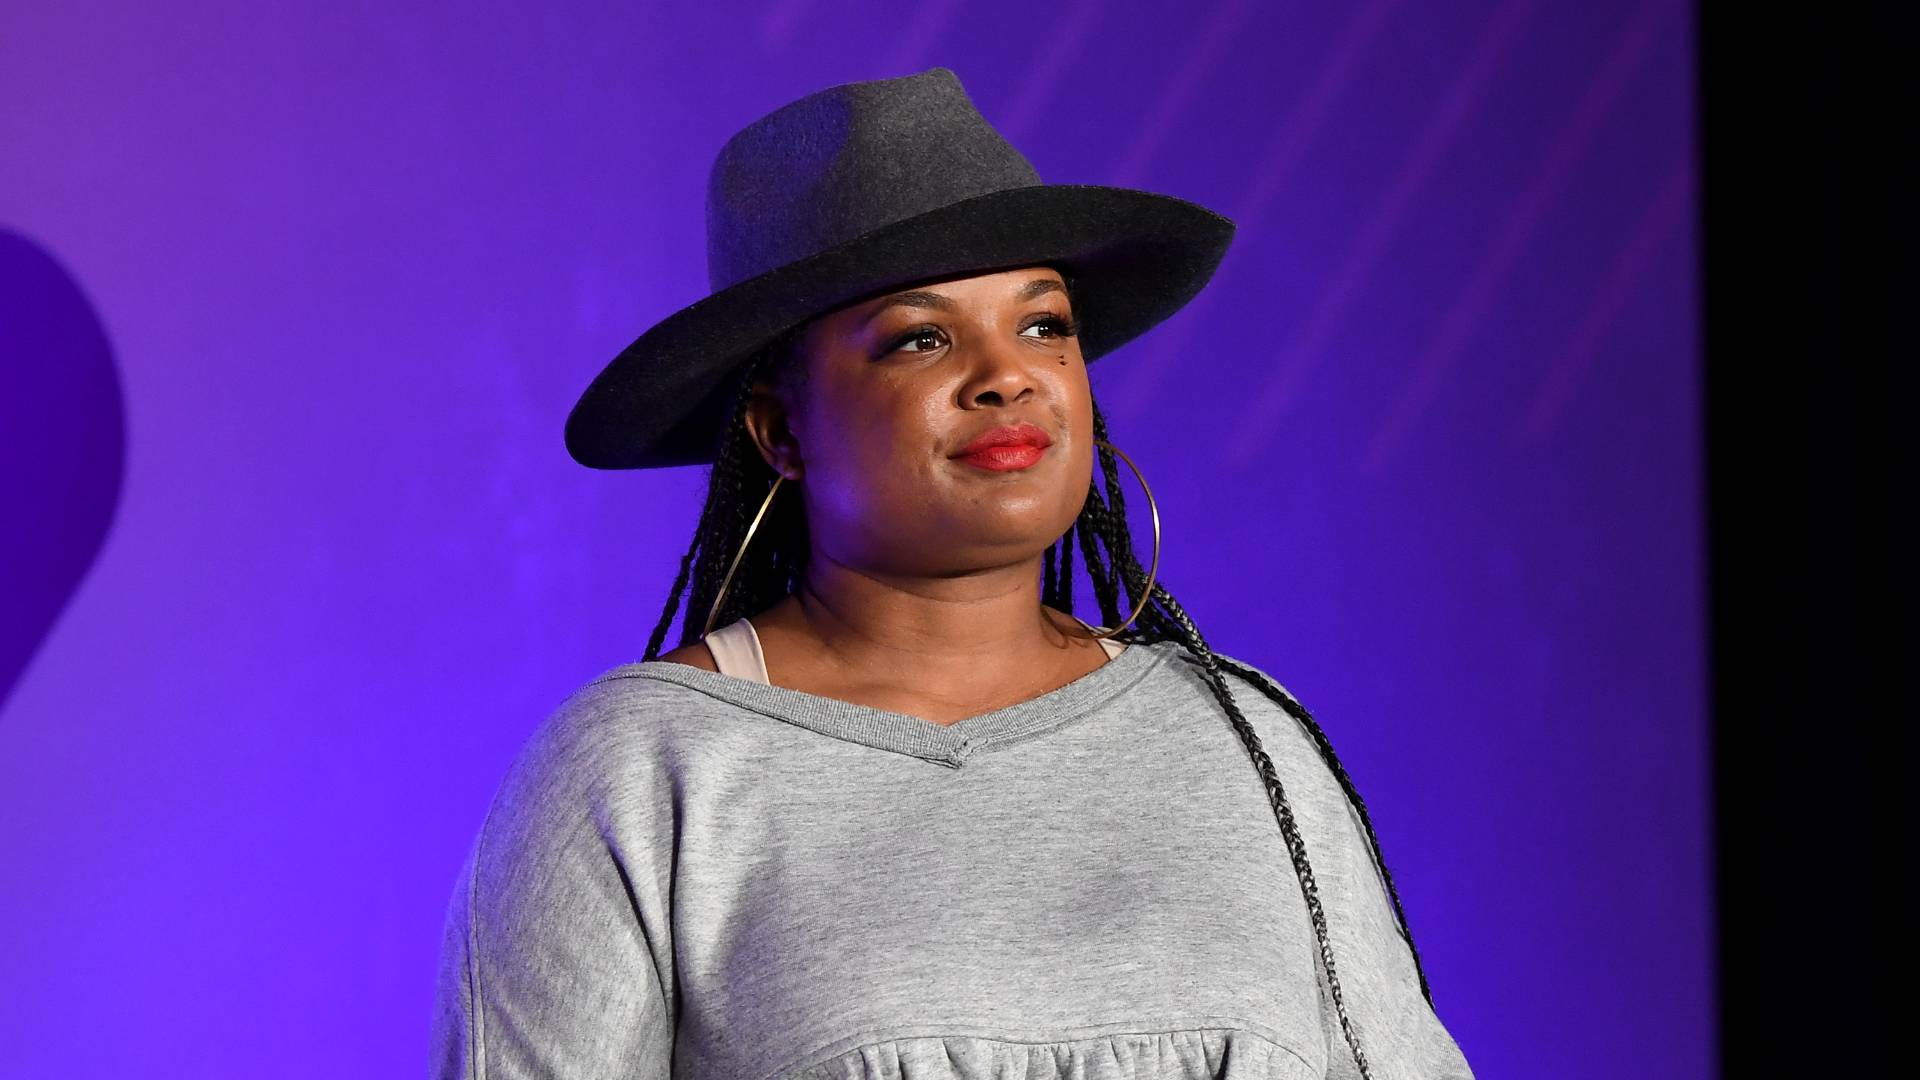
<point x="922" y="298"/>
<point x="1038" y="287"/>
<point x="911" y="298"/>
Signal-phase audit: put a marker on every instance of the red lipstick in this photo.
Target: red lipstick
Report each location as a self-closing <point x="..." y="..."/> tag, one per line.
<point x="1003" y="449"/>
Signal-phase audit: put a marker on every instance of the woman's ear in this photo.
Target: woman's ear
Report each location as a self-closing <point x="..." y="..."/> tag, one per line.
<point x="767" y="424"/>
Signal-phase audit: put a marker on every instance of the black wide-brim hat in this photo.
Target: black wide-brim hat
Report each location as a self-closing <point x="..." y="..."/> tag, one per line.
<point x="862" y="189"/>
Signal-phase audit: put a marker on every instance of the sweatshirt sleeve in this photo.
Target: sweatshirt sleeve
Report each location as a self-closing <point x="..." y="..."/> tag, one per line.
<point x="548" y="967"/>
<point x="1401" y="1034"/>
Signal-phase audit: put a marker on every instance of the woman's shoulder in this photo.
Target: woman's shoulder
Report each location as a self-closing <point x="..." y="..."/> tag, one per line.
<point x="1239" y="674"/>
<point x="605" y="748"/>
<point x="611" y="723"/>
<point x="1264" y="700"/>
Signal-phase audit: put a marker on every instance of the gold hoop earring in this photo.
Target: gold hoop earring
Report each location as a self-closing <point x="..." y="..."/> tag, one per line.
<point x="714" y="612"/>
<point x="1153" y="569"/>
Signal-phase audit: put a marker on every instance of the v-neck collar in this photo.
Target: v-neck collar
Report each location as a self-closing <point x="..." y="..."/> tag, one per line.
<point x="902" y="733"/>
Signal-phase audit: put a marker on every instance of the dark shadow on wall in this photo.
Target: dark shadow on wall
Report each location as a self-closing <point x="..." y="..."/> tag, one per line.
<point x="63" y="425"/>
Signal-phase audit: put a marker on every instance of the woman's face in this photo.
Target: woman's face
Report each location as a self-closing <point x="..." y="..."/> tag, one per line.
<point x="897" y="385"/>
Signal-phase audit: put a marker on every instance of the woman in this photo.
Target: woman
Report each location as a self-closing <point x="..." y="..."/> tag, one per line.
<point x="890" y="809"/>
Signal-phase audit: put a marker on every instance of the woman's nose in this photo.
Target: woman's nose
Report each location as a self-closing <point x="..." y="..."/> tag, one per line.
<point x="1002" y="374"/>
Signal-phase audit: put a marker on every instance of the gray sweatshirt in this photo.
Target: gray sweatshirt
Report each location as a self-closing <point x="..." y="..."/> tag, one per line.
<point x="690" y="875"/>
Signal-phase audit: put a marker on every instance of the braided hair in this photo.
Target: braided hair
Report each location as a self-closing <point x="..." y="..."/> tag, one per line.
<point x="775" y="564"/>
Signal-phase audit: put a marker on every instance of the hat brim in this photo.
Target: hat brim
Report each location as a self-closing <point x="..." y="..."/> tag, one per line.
<point x="1136" y="258"/>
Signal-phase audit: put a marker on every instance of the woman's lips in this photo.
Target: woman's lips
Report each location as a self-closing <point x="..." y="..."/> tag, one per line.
<point x="1004" y="458"/>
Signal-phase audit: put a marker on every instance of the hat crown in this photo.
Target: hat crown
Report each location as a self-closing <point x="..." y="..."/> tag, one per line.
<point x="842" y="162"/>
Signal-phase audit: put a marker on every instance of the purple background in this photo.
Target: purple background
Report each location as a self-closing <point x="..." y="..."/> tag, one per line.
<point x="1426" y="449"/>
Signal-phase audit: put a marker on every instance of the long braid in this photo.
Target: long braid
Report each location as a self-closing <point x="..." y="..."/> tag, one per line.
<point x="1164" y="618"/>
<point x="737" y="482"/>
<point x="775" y="562"/>
<point x="1299" y="711"/>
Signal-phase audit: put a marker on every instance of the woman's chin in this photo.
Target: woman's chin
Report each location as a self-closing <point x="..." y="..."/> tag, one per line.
<point x="1009" y="536"/>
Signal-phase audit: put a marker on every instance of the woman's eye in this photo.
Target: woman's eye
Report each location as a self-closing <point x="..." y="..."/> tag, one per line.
<point x="1055" y="327"/>
<point x="932" y="337"/>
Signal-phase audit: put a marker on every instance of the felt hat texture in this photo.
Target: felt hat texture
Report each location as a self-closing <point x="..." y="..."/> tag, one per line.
<point x="862" y="189"/>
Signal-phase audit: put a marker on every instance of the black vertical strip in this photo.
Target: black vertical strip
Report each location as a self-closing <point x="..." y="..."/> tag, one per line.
<point x="1808" y="732"/>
